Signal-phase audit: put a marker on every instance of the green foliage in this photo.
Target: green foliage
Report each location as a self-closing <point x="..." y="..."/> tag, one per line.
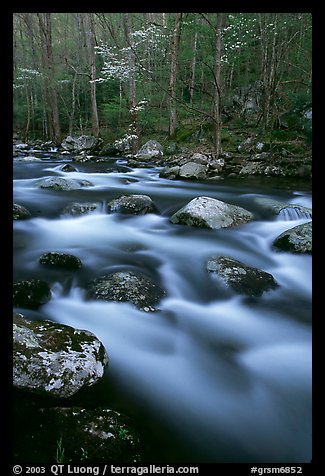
<point x="59" y="453"/>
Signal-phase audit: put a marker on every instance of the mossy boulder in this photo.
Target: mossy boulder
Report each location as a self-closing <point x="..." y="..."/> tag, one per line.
<point x="62" y="184"/>
<point x="240" y="277"/>
<point x="296" y="240"/>
<point x="60" y="260"/>
<point x="20" y="212"/>
<point x="132" y="205"/>
<point x="127" y="286"/>
<point x="31" y="294"/>
<point x="55" y="359"/>
<point x="78" y="208"/>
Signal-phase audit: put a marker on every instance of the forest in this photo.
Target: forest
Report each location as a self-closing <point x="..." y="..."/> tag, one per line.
<point x="184" y="77"/>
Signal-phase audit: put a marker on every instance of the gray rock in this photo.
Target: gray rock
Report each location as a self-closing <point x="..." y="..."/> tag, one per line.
<point x="150" y="149"/>
<point x="20" y="212"/>
<point x="85" y="435"/>
<point x="240" y="277"/>
<point x="132" y="205"/>
<point x="77" y="208"/>
<point x="60" y="260"/>
<point x="79" y="144"/>
<point x="127" y="286"/>
<point x="55" y="359"/>
<point x="288" y="211"/>
<point x="170" y="172"/>
<point x="209" y="212"/>
<point x="31" y="293"/>
<point x="68" y="168"/>
<point x="192" y="170"/>
<point x="62" y="184"/>
<point x="199" y="158"/>
<point x="296" y="240"/>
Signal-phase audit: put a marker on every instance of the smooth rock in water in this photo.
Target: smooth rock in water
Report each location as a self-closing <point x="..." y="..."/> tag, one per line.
<point x="77" y="208"/>
<point x="86" y="435"/>
<point x="170" y="172"/>
<point x="55" y="359"/>
<point x="20" y="212"/>
<point x="286" y="210"/>
<point x="31" y="293"/>
<point x="207" y="212"/>
<point x="60" y="260"/>
<point x="68" y="168"/>
<point x="150" y="149"/>
<point x="193" y="170"/>
<point x="127" y="286"/>
<point x="132" y="204"/>
<point x="240" y="277"/>
<point x="62" y="184"/>
<point x="296" y="240"/>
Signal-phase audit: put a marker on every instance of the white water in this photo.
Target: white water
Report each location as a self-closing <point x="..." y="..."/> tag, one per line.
<point x="229" y="377"/>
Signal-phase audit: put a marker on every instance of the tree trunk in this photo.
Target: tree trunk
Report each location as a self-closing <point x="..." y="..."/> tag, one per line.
<point x="193" y="67"/>
<point x="45" y="26"/>
<point x="91" y="43"/>
<point x="173" y="75"/>
<point x="217" y="88"/>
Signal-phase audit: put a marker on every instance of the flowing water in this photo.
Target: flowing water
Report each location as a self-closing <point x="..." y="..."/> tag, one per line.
<point x="213" y="375"/>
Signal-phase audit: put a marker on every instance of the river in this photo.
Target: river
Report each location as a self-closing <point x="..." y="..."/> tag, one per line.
<point x="213" y="375"/>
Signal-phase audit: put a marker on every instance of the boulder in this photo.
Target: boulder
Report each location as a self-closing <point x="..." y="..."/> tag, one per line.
<point x="296" y="240"/>
<point x="62" y="184"/>
<point x="76" y="434"/>
<point x="60" y="260"/>
<point x="127" y="286"/>
<point x="77" y="208"/>
<point x="132" y="205"/>
<point x="209" y="212"/>
<point x="31" y="293"/>
<point x="54" y="359"/>
<point x="20" y="212"/>
<point x="240" y="277"/>
<point x="170" y="173"/>
<point x="150" y="149"/>
<point x="193" y="170"/>
<point x="77" y="144"/>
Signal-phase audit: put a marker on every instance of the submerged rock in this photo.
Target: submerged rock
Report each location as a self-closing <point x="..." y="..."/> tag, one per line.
<point x="60" y="183"/>
<point x="240" y="277"/>
<point x="77" y="208"/>
<point x="296" y="240"/>
<point x="127" y="286"/>
<point x="31" y="293"/>
<point x="209" y="212"/>
<point x="60" y="260"/>
<point x="55" y="359"/>
<point x="132" y="204"/>
<point x="288" y="211"/>
<point x="20" y="212"/>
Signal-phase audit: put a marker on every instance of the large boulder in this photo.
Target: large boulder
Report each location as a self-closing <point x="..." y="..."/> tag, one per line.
<point x="150" y="149"/>
<point x="62" y="184"/>
<point x="127" y="286"/>
<point x="55" y="359"/>
<point x="240" y="277"/>
<point x="60" y="260"/>
<point x="77" y="144"/>
<point x="132" y="205"/>
<point x="209" y="212"/>
<point x="31" y="294"/>
<point x="75" y="434"/>
<point x="193" y="170"/>
<point x="296" y="240"/>
<point x="20" y="212"/>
